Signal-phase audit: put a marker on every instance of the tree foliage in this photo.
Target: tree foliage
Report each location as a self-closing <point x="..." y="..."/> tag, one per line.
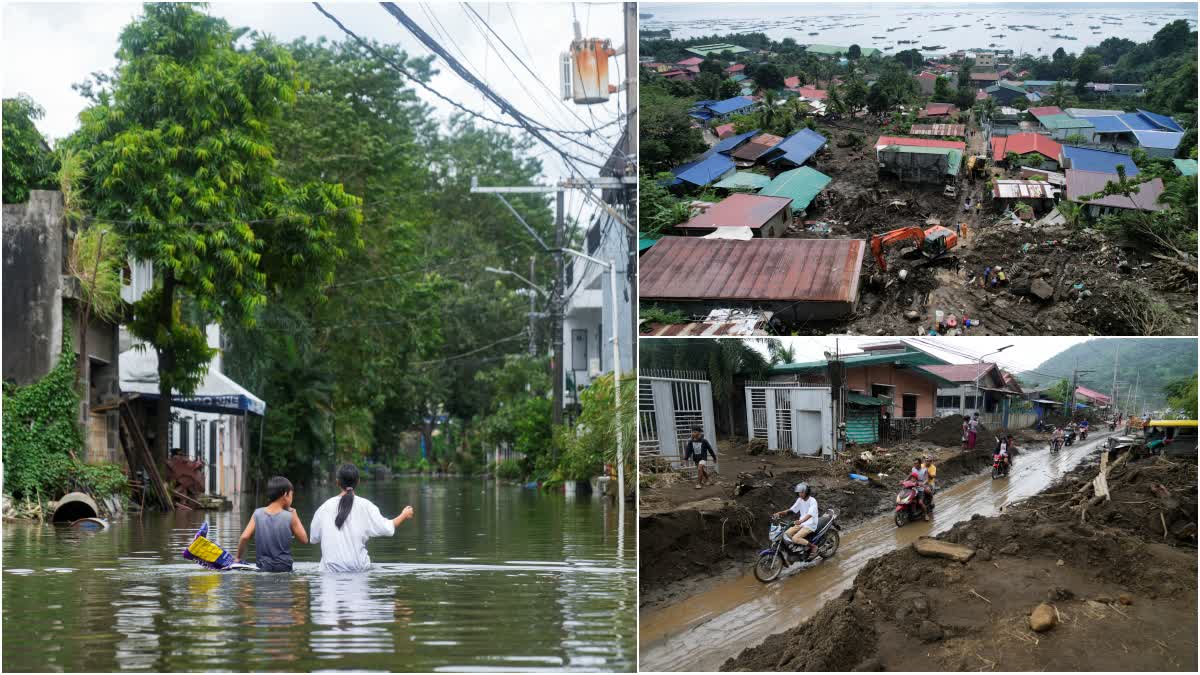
<point x="29" y="164"/>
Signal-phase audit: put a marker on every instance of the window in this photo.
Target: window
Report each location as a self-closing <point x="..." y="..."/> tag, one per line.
<point x="948" y="401"/>
<point x="910" y="405"/>
<point x="969" y="402"/>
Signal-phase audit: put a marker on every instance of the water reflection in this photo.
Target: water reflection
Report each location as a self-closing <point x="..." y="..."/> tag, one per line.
<point x="487" y="579"/>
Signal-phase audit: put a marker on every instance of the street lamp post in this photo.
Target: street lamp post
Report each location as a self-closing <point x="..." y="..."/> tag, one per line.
<point x="616" y="346"/>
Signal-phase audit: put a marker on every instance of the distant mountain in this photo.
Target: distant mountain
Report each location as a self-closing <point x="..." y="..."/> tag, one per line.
<point x="1151" y="362"/>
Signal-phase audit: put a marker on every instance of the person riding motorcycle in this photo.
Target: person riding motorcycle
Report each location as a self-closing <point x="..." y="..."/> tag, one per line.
<point x="1083" y="428"/>
<point x="920" y="475"/>
<point x="1056" y="439"/>
<point x="1003" y="445"/>
<point x="805" y="508"/>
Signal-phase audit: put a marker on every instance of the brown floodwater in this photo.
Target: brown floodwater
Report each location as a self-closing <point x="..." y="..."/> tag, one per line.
<point x="484" y="577"/>
<point x="700" y="632"/>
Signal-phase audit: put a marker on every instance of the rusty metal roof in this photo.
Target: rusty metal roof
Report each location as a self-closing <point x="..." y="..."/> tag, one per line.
<point x="718" y="323"/>
<point x="739" y="210"/>
<point x="686" y="268"/>
<point x="938" y="130"/>
<point x="757" y="147"/>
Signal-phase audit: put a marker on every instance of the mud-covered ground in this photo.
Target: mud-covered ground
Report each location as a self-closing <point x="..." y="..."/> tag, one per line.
<point x="1120" y="582"/>
<point x="689" y="538"/>
<point x="1094" y="284"/>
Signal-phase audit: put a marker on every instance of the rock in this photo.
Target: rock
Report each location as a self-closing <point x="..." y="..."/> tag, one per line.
<point x="930" y="631"/>
<point x="1059" y="593"/>
<point x="984" y="554"/>
<point x="1125" y="598"/>
<point x="1041" y="289"/>
<point x="1011" y="549"/>
<point x="912" y="315"/>
<point x="933" y="548"/>
<point x="912" y="574"/>
<point x="1060" y="562"/>
<point x="1106" y="599"/>
<point x="1043" y="618"/>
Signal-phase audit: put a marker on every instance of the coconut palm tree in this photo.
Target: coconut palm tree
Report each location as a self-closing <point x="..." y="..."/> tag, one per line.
<point x="767" y="110"/>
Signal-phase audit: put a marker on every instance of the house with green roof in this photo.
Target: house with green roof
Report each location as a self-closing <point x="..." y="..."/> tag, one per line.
<point x="743" y="181"/>
<point x="835" y="50"/>
<point x="716" y="48"/>
<point x="1186" y="167"/>
<point x="801" y="185"/>
<point x="920" y="164"/>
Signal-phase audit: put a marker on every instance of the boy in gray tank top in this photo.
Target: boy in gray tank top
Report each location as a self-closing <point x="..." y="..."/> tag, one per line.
<point x="273" y="527"/>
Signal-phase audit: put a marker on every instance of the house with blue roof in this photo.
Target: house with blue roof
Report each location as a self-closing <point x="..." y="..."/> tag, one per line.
<point x="709" y="112"/>
<point x="795" y="150"/>
<point x="1157" y="135"/>
<point x="1099" y="161"/>
<point x="728" y="145"/>
<point x="710" y="168"/>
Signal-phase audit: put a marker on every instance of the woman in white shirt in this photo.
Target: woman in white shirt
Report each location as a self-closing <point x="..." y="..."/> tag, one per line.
<point x="343" y="524"/>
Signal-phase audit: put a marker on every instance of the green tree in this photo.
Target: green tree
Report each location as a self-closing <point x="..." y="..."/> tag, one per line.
<point x="854" y="93"/>
<point x="854" y="53"/>
<point x="1173" y="38"/>
<point x="768" y="109"/>
<point x="768" y="76"/>
<point x="941" y="89"/>
<point x="1181" y="396"/>
<point x="728" y="89"/>
<point x="29" y="163"/>
<point x="666" y="134"/>
<point x="194" y="187"/>
<point x="1087" y="67"/>
<point x="713" y="66"/>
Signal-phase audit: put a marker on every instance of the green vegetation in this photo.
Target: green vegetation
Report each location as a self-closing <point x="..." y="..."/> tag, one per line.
<point x="721" y="360"/>
<point x="29" y="163"/>
<point x="1151" y="362"/>
<point x="41" y="438"/>
<point x="1181" y="397"/>
<point x="655" y="314"/>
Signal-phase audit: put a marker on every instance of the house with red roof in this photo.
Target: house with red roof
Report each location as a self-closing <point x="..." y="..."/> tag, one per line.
<point x="791" y="82"/>
<point x="1037" y="145"/>
<point x="693" y="61"/>
<point x="735" y="69"/>
<point x="1092" y="397"/>
<point x="926" y="81"/>
<point x="978" y="388"/>
<point x="939" y="110"/>
<point x="724" y="131"/>
<point x="812" y="93"/>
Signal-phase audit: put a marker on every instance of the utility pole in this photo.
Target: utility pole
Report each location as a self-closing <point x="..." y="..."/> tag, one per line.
<point x="1116" y="358"/>
<point x="1075" y="383"/>
<point x="556" y="356"/>
<point x="532" y="308"/>
<point x="632" y="50"/>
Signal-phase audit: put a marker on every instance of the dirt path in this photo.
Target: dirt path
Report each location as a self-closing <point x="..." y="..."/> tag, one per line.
<point x="704" y="630"/>
<point x="1122" y="590"/>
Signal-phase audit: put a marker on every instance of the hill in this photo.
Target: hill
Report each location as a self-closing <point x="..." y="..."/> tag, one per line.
<point x="1151" y="362"/>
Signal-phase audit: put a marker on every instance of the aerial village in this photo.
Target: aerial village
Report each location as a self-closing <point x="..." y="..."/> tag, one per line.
<point x="808" y="189"/>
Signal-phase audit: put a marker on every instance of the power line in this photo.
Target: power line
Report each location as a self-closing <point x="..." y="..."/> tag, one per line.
<point x="433" y="91"/>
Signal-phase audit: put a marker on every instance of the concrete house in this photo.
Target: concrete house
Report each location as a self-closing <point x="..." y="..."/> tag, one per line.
<point x="920" y="160"/>
<point x="765" y="216"/>
<point x="977" y="388"/>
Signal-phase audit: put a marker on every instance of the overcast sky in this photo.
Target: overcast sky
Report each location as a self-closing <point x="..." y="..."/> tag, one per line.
<point x="47" y="47"/>
<point x="1026" y="353"/>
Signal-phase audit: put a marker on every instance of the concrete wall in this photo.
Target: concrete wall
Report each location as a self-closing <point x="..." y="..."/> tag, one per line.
<point x="902" y="381"/>
<point x="32" y="277"/>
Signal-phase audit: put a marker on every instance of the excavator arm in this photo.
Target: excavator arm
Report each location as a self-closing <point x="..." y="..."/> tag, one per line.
<point x="880" y="241"/>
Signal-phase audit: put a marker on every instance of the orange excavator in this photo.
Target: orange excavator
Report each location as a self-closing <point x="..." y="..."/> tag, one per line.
<point x="933" y="242"/>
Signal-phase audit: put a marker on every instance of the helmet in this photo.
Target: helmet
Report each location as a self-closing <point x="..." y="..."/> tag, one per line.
<point x="801" y="487"/>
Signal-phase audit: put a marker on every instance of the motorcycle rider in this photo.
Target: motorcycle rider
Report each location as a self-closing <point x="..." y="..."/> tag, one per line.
<point x="1083" y="427"/>
<point x="1056" y="438"/>
<point x="920" y="476"/>
<point x="1002" y="447"/>
<point x="805" y="508"/>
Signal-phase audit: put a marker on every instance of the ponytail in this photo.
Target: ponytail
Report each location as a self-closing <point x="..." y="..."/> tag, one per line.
<point x="347" y="477"/>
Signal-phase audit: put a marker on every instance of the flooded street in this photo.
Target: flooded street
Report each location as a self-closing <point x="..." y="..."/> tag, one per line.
<point x="484" y="577"/>
<point x="701" y="632"/>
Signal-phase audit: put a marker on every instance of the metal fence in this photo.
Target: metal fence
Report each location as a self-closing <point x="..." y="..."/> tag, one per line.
<point x="791" y="418"/>
<point x="670" y="403"/>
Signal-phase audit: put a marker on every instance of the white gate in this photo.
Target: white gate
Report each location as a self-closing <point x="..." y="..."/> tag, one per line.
<point x="670" y="403"/>
<point x="796" y="419"/>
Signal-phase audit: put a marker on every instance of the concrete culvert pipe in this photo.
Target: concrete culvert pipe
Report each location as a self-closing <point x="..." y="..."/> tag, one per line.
<point x="73" y="506"/>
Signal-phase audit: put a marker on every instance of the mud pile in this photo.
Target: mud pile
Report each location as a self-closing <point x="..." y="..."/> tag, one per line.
<point x="947" y="432"/>
<point x="1121" y="598"/>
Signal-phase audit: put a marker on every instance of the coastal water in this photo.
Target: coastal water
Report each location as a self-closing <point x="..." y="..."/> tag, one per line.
<point x="485" y="577"/>
<point x="1026" y="28"/>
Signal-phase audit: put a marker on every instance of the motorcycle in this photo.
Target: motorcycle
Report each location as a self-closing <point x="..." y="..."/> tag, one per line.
<point x="1055" y="444"/>
<point x="1112" y="425"/>
<point x="1083" y="433"/>
<point x="1000" y="466"/>
<point x="908" y="506"/>
<point x="783" y="553"/>
<point x="1070" y="438"/>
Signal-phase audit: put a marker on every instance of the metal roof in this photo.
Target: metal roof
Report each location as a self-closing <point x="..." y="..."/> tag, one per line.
<point x="1163" y="140"/>
<point x="715" y="48"/>
<point x="727" y="145"/>
<point x="1166" y="123"/>
<point x="730" y="105"/>
<point x="859" y="399"/>
<point x="718" y="323"/>
<point x="1064" y="121"/>
<point x="757" y="147"/>
<point x="1092" y="394"/>
<point x="1024" y="189"/>
<point x="789" y="270"/>
<point x="1106" y="124"/>
<point x="1025" y="143"/>
<point x="739" y="210"/>
<point x="797" y="148"/>
<point x="691" y="61"/>
<point x="1186" y="167"/>
<point x="938" y="130"/>
<point x="1092" y="112"/>
<point x="703" y="171"/>
<point x="954" y="157"/>
<point x="791" y="82"/>
<point x="933" y="109"/>
<point x="1080" y="183"/>
<point x="919" y="142"/>
<point x="1099" y="161"/>
<point x="801" y="185"/>
<point x="863" y="360"/>
<point x="1045" y="111"/>
<point x="744" y="180"/>
<point x="961" y="372"/>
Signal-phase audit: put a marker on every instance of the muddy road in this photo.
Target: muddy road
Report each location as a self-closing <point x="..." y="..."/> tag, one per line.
<point x="700" y="633"/>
